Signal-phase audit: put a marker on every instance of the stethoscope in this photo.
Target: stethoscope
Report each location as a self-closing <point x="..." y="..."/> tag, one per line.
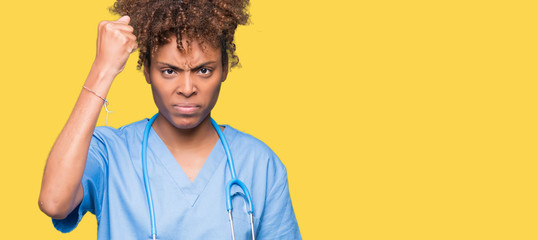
<point x="234" y="180"/>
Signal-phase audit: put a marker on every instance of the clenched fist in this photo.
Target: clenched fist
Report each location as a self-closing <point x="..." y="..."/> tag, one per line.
<point x="115" y="42"/>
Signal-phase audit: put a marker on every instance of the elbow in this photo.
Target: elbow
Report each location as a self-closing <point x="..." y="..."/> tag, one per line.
<point x="53" y="209"/>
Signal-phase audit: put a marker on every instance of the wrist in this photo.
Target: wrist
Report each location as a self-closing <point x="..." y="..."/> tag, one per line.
<point x="103" y="72"/>
<point x="100" y="78"/>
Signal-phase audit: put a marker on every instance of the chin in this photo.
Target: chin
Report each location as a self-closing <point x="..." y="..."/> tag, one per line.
<point x="186" y="122"/>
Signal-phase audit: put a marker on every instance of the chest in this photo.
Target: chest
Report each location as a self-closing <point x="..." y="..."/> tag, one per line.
<point x="184" y="210"/>
<point x="191" y="161"/>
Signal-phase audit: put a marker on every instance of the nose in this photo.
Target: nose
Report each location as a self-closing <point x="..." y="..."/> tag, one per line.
<point x="187" y="87"/>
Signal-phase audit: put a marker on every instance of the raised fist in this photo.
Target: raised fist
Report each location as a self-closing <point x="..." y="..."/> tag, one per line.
<point x="115" y="42"/>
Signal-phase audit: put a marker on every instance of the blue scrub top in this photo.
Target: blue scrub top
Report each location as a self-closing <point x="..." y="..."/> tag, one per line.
<point x="114" y="190"/>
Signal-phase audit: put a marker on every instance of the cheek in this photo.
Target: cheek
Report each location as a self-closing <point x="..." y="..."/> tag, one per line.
<point x="214" y="96"/>
<point x="157" y="96"/>
<point x="159" y="88"/>
<point x="217" y="92"/>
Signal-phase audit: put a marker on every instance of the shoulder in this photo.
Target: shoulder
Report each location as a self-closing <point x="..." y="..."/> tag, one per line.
<point x="108" y="139"/>
<point x="247" y="141"/>
<point x="106" y="134"/>
<point x="249" y="147"/>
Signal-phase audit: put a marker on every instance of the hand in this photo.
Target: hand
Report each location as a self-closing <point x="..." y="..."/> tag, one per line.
<point x="115" y="42"/>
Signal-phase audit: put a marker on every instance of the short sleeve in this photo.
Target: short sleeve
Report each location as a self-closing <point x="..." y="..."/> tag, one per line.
<point x="278" y="220"/>
<point x="93" y="186"/>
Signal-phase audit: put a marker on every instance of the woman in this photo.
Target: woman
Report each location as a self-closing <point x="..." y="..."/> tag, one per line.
<point x="186" y="48"/>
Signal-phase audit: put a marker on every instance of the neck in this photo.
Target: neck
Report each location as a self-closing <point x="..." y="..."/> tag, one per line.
<point x="183" y="139"/>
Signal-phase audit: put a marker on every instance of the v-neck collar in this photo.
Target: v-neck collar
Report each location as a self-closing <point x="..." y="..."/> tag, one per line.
<point x="191" y="190"/>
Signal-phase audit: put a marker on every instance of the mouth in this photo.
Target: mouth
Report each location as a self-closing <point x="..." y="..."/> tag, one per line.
<point x="186" y="108"/>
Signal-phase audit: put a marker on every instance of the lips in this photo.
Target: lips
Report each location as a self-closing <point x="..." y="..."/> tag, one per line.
<point x="186" y="108"/>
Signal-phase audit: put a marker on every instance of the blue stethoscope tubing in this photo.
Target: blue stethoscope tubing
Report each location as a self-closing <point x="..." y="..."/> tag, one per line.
<point x="234" y="180"/>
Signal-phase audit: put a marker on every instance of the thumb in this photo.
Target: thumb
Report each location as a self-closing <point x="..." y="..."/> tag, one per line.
<point x="125" y="19"/>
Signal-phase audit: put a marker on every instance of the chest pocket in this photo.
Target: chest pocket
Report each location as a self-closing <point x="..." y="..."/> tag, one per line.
<point x="241" y="217"/>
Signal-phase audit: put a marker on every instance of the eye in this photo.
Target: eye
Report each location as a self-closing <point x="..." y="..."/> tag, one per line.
<point x="205" y="71"/>
<point x="168" y="71"/>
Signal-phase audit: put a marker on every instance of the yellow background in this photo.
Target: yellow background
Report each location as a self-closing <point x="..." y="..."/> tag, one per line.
<point x="395" y="119"/>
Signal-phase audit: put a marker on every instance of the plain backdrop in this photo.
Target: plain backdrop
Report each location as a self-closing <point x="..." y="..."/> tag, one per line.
<point x="395" y="119"/>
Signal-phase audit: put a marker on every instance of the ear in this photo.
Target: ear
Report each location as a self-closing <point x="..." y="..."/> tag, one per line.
<point x="146" y="72"/>
<point x="224" y="73"/>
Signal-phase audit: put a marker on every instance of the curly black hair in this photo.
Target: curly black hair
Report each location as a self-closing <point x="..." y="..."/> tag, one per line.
<point x="210" y="22"/>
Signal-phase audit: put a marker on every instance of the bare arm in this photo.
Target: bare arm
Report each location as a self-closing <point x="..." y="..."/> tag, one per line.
<point x="61" y="188"/>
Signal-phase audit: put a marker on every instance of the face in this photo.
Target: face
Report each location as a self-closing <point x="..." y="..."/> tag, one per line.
<point x="186" y="83"/>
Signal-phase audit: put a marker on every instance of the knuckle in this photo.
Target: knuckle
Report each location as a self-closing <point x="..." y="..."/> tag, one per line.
<point x="102" y="24"/>
<point x="123" y="40"/>
<point x="118" y="34"/>
<point x="109" y="26"/>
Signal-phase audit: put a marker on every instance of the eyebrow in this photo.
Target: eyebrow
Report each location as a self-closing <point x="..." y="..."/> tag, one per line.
<point x="194" y="68"/>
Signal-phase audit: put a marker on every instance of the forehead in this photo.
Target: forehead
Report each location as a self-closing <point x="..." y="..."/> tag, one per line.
<point x="190" y="52"/>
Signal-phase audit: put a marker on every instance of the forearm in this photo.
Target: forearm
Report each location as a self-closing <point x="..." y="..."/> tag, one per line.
<point x="61" y="189"/>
